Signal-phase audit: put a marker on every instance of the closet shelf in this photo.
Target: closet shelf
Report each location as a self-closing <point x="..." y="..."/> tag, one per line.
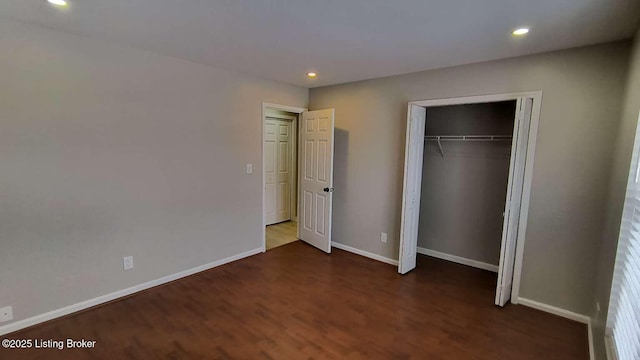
<point x="440" y="138"/>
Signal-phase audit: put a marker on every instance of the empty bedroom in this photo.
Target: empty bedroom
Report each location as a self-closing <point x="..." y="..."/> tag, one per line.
<point x="326" y="179"/>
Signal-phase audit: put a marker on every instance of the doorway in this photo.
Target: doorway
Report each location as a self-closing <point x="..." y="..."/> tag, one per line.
<point x="519" y="138"/>
<point x="280" y="170"/>
<point x="297" y="175"/>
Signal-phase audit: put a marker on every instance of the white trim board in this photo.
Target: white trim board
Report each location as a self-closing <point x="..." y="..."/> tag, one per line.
<point x="555" y="310"/>
<point x="370" y="255"/>
<point x="34" y="320"/>
<point x="458" y="259"/>
<point x="476" y="99"/>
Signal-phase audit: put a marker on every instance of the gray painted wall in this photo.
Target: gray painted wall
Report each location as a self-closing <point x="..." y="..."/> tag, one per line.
<point x="617" y="188"/>
<point x="108" y="151"/>
<point x="463" y="193"/>
<point x="580" y="112"/>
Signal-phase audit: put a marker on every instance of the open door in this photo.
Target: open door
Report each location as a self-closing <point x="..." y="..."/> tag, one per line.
<point x="515" y="185"/>
<point x="316" y="178"/>
<point x="416" y="121"/>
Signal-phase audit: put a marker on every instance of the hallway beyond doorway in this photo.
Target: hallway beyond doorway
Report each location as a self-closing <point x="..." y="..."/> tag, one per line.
<point x="281" y="234"/>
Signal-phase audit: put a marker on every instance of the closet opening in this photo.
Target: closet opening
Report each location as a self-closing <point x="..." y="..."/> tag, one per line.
<point x="467" y="178"/>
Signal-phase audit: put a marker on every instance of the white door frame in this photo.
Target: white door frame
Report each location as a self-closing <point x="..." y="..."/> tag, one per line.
<point x="528" y="171"/>
<point x="263" y="119"/>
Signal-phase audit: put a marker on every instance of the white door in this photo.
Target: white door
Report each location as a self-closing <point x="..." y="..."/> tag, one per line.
<point x="416" y="121"/>
<point x="521" y="126"/>
<point x="316" y="178"/>
<point x="277" y="170"/>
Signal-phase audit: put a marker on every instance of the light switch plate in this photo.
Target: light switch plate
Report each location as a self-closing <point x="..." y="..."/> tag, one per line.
<point x="249" y="168"/>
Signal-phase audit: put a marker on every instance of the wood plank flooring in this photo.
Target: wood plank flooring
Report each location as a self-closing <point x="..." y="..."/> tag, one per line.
<point x="295" y="302"/>
<point x="281" y="234"/>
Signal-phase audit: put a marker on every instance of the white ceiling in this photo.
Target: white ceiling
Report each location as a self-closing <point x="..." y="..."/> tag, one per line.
<point x="343" y="40"/>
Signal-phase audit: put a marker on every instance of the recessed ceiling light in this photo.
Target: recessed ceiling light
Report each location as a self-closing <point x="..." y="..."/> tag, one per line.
<point x="312" y="75"/>
<point x="520" y="31"/>
<point x="58" y="2"/>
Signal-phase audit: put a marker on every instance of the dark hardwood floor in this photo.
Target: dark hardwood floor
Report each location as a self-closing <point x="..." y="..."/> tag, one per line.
<point x="295" y="302"/>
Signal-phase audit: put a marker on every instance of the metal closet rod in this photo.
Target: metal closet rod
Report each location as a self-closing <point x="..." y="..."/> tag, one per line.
<point x="440" y="138"/>
<point x="469" y="138"/>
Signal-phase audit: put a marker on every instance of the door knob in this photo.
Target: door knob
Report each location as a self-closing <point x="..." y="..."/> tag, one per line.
<point x="329" y="190"/>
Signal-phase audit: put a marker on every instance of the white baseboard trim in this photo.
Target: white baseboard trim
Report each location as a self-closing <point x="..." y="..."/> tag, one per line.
<point x="555" y="310"/>
<point x="364" y="253"/>
<point x="18" y="325"/>
<point x="457" y="259"/>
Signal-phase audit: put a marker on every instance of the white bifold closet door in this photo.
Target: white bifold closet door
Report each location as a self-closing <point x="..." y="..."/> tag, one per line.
<point x="277" y="170"/>
<point x="511" y="223"/>
<point x="416" y="123"/>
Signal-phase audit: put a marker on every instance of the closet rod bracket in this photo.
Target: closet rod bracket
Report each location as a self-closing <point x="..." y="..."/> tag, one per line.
<point x="440" y="147"/>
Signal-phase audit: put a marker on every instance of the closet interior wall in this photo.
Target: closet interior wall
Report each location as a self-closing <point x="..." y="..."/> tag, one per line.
<point x="463" y="191"/>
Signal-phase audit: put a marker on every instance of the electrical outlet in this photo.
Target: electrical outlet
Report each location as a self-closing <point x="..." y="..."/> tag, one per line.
<point x="383" y="237"/>
<point x="128" y="262"/>
<point x="249" y="168"/>
<point x="6" y="314"/>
